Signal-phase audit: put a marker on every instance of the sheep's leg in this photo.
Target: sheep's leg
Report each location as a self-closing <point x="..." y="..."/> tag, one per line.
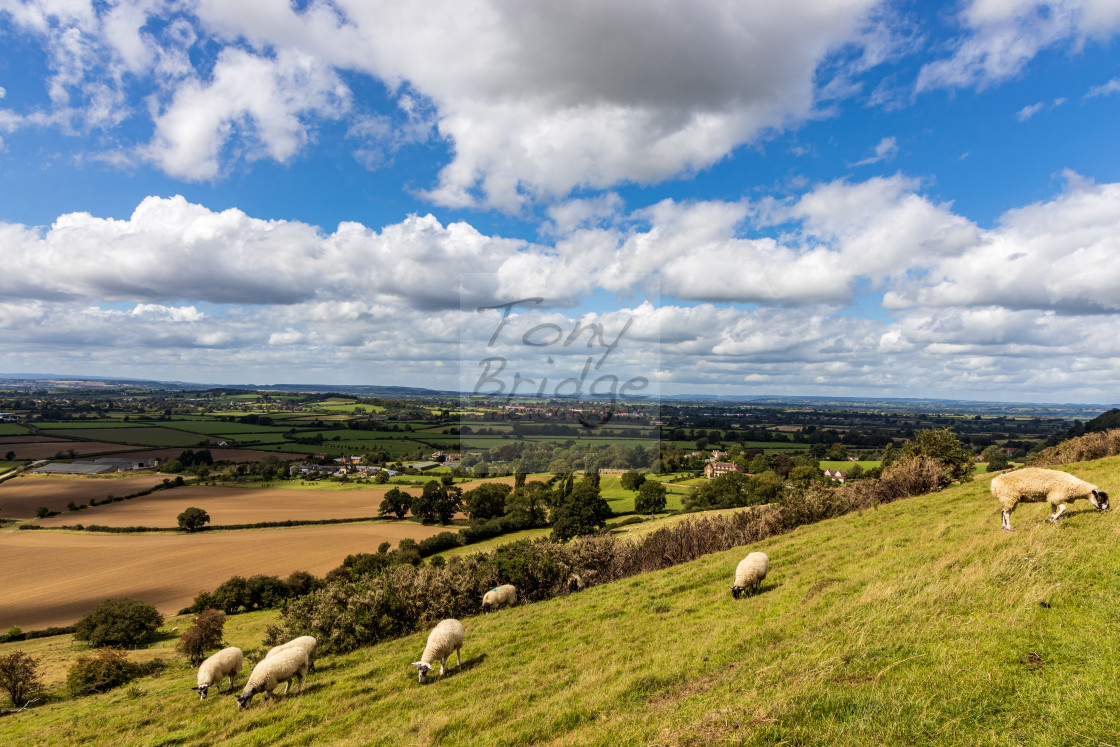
<point x="1006" y="521"/>
<point x="1054" y="516"/>
<point x="287" y="685"/>
<point x="458" y="660"/>
<point x="299" y="688"/>
<point x="441" y="663"/>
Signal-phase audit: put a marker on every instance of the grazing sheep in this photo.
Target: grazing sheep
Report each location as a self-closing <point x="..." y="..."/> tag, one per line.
<point x="306" y="642"/>
<point x="444" y="638"/>
<point x="575" y="583"/>
<point x="271" y="671"/>
<point x="1034" y="485"/>
<point x="750" y="572"/>
<point x="225" y="663"/>
<point x="503" y="595"/>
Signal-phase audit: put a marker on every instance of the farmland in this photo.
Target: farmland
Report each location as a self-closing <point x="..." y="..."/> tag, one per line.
<point x="53" y="578"/>
<point x="230" y="505"/>
<point x="20" y="497"/>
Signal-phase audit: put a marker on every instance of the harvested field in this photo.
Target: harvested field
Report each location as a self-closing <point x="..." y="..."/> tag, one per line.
<point x="20" y="496"/>
<point x="220" y="455"/>
<point x="228" y="505"/>
<point x="47" y="450"/>
<point x="25" y="439"/>
<point x="53" y="578"/>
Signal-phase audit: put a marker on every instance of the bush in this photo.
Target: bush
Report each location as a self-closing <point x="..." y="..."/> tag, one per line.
<point x="204" y="634"/>
<point x="1081" y="449"/>
<point x="19" y="676"/>
<point x="440" y="542"/>
<point x="118" y="622"/>
<point x="107" y="669"/>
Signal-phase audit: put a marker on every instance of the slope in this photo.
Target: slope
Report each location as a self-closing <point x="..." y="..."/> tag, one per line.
<point x="916" y="623"/>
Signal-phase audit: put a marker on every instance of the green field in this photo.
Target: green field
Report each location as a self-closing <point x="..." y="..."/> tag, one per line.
<point x="12" y="429"/>
<point x="137" y="436"/>
<point x="917" y="623"/>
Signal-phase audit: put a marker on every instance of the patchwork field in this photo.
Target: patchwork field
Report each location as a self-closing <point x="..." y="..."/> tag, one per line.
<point x="229" y="505"/>
<point x="53" y="578"/>
<point x="47" y="450"/>
<point x="220" y="455"/>
<point x="20" y="496"/>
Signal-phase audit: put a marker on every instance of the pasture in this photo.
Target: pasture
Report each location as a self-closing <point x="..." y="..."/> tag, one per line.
<point x="53" y="578"/>
<point x="48" y="449"/>
<point x="20" y="496"/>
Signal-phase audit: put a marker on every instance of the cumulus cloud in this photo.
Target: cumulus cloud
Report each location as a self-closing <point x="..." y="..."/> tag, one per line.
<point x="1104" y="89"/>
<point x="534" y="99"/>
<point x="1003" y="36"/>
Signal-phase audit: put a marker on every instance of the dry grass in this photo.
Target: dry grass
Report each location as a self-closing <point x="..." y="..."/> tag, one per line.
<point x="53" y="578"/>
<point x="20" y="496"/>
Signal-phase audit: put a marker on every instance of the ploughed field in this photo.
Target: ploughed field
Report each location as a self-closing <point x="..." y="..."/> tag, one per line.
<point x="53" y="578"/>
<point x="21" y="496"/>
<point x="229" y="505"/>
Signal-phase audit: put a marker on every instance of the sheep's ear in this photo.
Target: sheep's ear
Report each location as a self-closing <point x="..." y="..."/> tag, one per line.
<point x="417" y="664"/>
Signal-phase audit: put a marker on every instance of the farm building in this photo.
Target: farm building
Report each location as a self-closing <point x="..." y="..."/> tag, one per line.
<point x="96" y="467"/>
<point x="715" y="469"/>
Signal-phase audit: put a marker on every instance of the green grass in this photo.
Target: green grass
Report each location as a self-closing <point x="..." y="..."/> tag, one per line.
<point x="12" y="429"/>
<point x="917" y="623"/>
<point x="136" y="435"/>
<point x="846" y="465"/>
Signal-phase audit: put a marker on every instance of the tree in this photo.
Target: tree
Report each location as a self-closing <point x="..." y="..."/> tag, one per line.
<point x="487" y="501"/>
<point x="19" y="676"/>
<point x="424" y="505"/>
<point x="942" y="446"/>
<point x="996" y="457"/>
<point x="449" y="501"/>
<point x="381" y="477"/>
<point x="193" y="519"/>
<point x="204" y="634"/>
<point x="42" y="512"/>
<point x="632" y="480"/>
<point x="584" y="512"/>
<point x="651" y="498"/>
<point x="121" y="621"/>
<point x="10" y="456"/>
<point x="395" y="503"/>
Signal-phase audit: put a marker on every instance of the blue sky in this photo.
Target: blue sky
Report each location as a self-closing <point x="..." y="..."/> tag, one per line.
<point x="836" y="197"/>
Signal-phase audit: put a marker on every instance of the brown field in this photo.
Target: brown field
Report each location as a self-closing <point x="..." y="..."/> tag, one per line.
<point x="228" y="505"/>
<point x="40" y="450"/>
<point x="20" y="496"/>
<point x="53" y="578"/>
<point x="220" y="455"/>
<point x="28" y="439"/>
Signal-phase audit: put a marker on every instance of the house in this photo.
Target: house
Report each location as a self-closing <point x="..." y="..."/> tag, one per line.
<point x="715" y="469"/>
<point x="835" y="474"/>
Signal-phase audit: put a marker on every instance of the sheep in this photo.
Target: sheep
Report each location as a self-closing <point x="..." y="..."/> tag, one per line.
<point x="749" y="573"/>
<point x="575" y="583"/>
<point x="306" y="642"/>
<point x="444" y="638"/>
<point x="502" y="595"/>
<point x="1034" y="485"/>
<point x="271" y="671"/>
<point x="225" y="663"/>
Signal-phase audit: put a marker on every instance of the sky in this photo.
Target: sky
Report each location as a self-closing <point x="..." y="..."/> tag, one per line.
<point x="814" y="197"/>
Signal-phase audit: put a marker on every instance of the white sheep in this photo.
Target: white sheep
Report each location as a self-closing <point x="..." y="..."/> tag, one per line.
<point x="1034" y="485"/>
<point x="271" y="671"/>
<point x="306" y="642"/>
<point x="225" y="663"/>
<point x="444" y="638"/>
<point x="575" y="583"/>
<point x="750" y="572"/>
<point x="505" y="594"/>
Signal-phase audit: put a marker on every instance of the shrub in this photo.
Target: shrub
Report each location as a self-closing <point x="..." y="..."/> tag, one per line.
<point x="439" y="543"/>
<point x="107" y="669"/>
<point x="118" y="622"/>
<point x="942" y="446"/>
<point x="204" y="634"/>
<point x="19" y="676"/>
<point x="1080" y="449"/>
<point x="42" y="512"/>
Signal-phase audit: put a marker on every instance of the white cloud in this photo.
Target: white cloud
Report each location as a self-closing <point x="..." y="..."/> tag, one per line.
<point x="1104" y="89"/>
<point x="535" y="99"/>
<point x="886" y="150"/>
<point x="1003" y="36"/>
<point x="1029" y="111"/>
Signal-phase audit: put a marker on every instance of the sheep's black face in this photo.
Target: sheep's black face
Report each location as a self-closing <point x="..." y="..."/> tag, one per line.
<point x="736" y="591"/>
<point x="1102" y="499"/>
<point x="485" y="608"/>
<point x="243" y="700"/>
<point x="202" y="692"/>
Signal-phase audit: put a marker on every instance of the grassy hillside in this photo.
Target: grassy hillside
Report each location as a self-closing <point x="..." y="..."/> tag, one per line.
<point x="916" y="623"/>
